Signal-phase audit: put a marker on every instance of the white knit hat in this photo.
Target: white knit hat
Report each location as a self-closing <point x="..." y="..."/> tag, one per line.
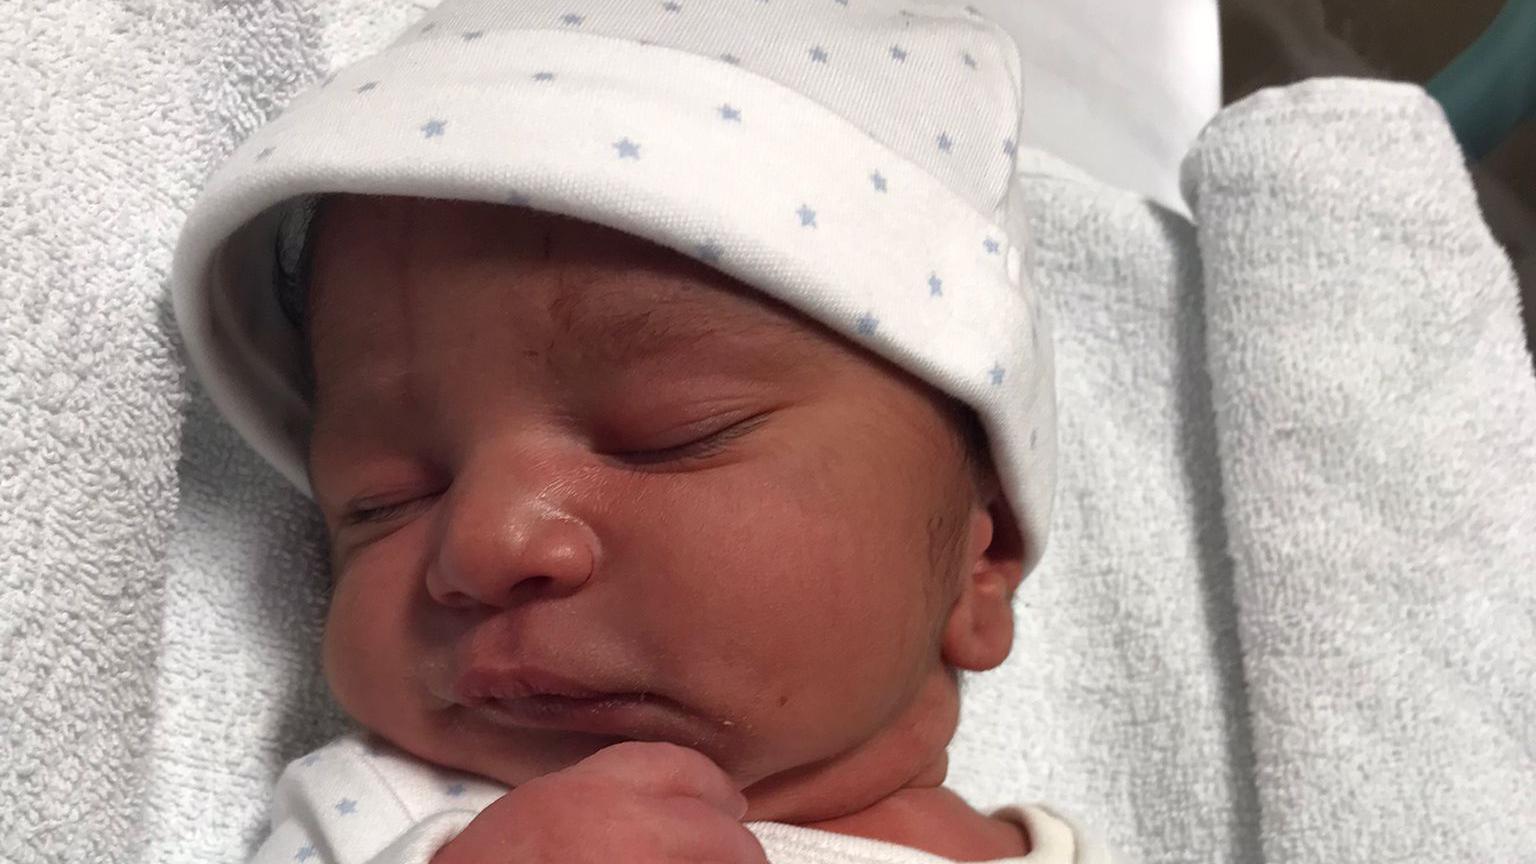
<point x="851" y="158"/>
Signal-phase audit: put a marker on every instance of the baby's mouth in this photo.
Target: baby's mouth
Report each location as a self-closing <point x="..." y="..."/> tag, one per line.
<point x="485" y="683"/>
<point x="526" y="697"/>
<point x="625" y="715"/>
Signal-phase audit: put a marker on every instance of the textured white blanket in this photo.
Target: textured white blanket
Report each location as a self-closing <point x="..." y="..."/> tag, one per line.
<point x="1288" y="612"/>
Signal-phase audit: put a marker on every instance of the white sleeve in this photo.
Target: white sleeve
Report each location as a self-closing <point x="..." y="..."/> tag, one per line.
<point x="291" y="842"/>
<point x="357" y="801"/>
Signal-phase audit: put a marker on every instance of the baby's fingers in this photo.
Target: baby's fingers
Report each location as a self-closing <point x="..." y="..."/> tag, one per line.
<point x="664" y="770"/>
<point x="693" y="831"/>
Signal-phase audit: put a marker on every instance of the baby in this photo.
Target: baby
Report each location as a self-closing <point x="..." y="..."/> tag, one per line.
<point x="663" y="520"/>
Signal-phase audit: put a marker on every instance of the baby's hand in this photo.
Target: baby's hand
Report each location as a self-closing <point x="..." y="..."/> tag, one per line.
<point x="640" y="802"/>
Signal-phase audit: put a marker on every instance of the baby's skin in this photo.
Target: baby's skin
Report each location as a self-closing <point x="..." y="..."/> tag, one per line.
<point x="653" y="550"/>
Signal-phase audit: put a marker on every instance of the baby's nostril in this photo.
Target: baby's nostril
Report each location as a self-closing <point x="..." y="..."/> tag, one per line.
<point x="458" y="600"/>
<point x="529" y="588"/>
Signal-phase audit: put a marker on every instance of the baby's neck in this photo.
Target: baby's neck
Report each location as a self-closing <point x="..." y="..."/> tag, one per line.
<point x="891" y="788"/>
<point x="934" y="820"/>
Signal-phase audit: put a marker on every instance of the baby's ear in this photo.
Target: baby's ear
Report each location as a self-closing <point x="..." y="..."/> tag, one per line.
<point x="979" y="632"/>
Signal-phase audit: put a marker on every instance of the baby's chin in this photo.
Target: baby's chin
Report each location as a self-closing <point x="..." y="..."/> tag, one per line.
<point x="780" y="782"/>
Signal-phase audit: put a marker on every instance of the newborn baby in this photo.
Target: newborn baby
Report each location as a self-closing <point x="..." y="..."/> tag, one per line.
<point x="681" y="415"/>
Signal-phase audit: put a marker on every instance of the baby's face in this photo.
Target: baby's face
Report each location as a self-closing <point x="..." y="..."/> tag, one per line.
<point x="547" y="451"/>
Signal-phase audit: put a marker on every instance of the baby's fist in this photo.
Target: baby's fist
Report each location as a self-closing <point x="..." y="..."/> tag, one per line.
<point x="641" y="802"/>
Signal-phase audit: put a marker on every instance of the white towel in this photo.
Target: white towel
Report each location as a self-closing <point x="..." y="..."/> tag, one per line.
<point x="1376" y="421"/>
<point x="1122" y="701"/>
<point x="114" y="114"/>
<point x="157" y="658"/>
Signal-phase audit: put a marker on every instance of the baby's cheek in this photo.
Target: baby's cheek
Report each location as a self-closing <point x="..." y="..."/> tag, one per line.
<point x="357" y="657"/>
<point x="340" y="660"/>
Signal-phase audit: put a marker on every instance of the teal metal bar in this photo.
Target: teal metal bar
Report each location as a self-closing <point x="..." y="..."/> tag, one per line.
<point x="1491" y="87"/>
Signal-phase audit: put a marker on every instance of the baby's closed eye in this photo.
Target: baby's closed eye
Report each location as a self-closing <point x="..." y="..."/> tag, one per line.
<point x="684" y="444"/>
<point x="369" y="512"/>
<point x="697" y="441"/>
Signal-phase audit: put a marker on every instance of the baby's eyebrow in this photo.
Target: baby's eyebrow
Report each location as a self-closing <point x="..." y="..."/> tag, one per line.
<point x="621" y="332"/>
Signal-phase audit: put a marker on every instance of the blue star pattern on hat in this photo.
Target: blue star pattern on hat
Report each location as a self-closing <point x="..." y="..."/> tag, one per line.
<point x="944" y="53"/>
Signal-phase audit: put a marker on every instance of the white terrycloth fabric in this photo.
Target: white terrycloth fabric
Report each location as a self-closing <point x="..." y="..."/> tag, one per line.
<point x="1374" y="491"/>
<point x="1376" y="426"/>
<point x="358" y="800"/>
<point x="113" y="113"/>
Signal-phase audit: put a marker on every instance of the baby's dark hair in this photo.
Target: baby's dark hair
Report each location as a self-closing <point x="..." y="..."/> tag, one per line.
<point x="293" y="253"/>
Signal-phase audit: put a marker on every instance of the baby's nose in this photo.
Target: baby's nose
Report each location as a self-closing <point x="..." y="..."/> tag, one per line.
<point x="501" y="555"/>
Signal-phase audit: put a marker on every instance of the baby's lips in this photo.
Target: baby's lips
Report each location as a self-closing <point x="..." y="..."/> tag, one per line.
<point x="481" y="683"/>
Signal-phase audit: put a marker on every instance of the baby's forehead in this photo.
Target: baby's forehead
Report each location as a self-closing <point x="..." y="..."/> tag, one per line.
<point x="620" y="295"/>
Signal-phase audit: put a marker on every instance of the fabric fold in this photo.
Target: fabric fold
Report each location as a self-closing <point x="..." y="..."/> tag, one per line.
<point x="1376" y="421"/>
